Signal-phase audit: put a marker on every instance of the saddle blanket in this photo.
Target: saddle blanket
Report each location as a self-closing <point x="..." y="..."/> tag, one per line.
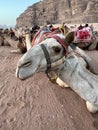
<point x="83" y="35"/>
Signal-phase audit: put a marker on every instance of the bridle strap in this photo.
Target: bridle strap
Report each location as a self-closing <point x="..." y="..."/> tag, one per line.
<point x="60" y="41"/>
<point x="46" y="56"/>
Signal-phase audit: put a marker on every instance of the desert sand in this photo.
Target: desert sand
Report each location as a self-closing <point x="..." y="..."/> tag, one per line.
<point x="38" y="104"/>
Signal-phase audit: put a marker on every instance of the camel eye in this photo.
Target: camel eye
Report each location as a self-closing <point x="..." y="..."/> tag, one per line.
<point x="56" y="49"/>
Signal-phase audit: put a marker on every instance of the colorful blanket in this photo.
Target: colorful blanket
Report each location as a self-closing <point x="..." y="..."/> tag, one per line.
<point x="42" y="34"/>
<point x="83" y="35"/>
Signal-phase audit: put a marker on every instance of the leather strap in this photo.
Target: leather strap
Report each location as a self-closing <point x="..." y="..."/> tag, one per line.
<point x="46" y="56"/>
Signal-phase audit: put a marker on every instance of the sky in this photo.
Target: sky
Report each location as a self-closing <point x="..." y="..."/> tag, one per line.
<point x="11" y="9"/>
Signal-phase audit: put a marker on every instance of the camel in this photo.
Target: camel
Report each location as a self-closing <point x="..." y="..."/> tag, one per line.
<point x="34" y="36"/>
<point x="3" y="41"/>
<point x="19" y="46"/>
<point x="9" y="38"/>
<point x="85" y="43"/>
<point x="44" y="32"/>
<point x="85" y="38"/>
<point x="71" y="70"/>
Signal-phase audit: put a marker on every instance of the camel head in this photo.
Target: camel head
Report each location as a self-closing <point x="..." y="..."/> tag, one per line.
<point x="34" y="60"/>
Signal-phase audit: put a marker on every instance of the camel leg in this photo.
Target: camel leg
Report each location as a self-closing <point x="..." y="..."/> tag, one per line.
<point x="15" y="51"/>
<point x="61" y="83"/>
<point x="91" y="107"/>
<point x="28" y="41"/>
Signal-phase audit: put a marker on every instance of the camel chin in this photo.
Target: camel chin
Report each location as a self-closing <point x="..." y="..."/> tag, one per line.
<point x="91" y="108"/>
<point x="61" y="83"/>
<point x="22" y="76"/>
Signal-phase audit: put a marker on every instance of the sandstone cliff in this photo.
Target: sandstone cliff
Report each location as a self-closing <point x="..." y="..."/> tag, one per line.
<point x="57" y="11"/>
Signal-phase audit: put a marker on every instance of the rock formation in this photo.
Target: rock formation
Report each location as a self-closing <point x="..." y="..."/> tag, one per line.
<point x="58" y="11"/>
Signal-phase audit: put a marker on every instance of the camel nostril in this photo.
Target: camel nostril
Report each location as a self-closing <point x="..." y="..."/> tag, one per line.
<point x="25" y="64"/>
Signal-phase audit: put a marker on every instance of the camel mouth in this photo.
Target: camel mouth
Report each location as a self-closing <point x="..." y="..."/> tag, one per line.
<point x="20" y="70"/>
<point x="20" y="76"/>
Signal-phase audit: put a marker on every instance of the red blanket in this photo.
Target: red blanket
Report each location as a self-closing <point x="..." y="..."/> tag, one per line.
<point x="83" y="36"/>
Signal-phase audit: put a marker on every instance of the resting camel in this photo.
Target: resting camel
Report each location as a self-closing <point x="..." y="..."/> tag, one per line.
<point x="45" y="31"/>
<point x="9" y="38"/>
<point x="35" y="37"/>
<point x="85" y="38"/>
<point x="89" y="39"/>
<point x="3" y="34"/>
<point x="71" y="70"/>
<point x="19" y="46"/>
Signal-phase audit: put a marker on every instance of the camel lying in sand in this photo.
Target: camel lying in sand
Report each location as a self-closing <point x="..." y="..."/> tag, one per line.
<point x="3" y="41"/>
<point x="43" y="33"/>
<point x="9" y="39"/>
<point x="72" y="71"/>
<point x="5" y="35"/>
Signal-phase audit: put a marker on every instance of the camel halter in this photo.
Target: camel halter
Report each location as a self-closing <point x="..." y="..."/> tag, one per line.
<point x="49" y="64"/>
<point x="47" y="57"/>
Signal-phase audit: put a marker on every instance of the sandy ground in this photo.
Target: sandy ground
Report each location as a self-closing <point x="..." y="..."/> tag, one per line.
<point x="37" y="104"/>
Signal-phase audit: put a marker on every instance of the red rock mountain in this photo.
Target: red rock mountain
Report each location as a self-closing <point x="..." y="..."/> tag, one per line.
<point x="58" y="11"/>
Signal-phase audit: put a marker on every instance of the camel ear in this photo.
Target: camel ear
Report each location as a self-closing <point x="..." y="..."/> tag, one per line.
<point x="69" y="38"/>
